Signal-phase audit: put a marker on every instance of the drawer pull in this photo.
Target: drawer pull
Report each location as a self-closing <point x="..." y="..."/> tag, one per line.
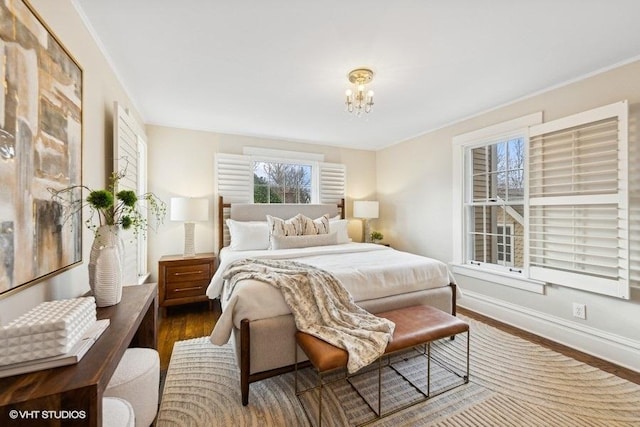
<point x="188" y="273"/>
<point x="187" y="289"/>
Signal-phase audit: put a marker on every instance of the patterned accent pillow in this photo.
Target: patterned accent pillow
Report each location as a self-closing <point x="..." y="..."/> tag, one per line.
<point x="314" y="226"/>
<point x="305" y="241"/>
<point x="282" y="227"/>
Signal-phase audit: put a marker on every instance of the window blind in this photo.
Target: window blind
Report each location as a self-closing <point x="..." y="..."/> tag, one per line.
<point x="130" y="156"/>
<point x="234" y="178"/>
<point x="634" y="211"/>
<point x="332" y="182"/>
<point x="578" y="201"/>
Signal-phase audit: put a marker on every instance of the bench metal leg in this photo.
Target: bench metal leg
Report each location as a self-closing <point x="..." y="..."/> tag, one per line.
<point x="425" y="351"/>
<point x="379" y="385"/>
<point x="298" y="392"/>
<point x="466" y="378"/>
<point x="320" y="400"/>
<point x="295" y="368"/>
<point x="428" y="369"/>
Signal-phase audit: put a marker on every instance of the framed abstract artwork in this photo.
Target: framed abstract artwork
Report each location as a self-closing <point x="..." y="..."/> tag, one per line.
<point x="40" y="149"/>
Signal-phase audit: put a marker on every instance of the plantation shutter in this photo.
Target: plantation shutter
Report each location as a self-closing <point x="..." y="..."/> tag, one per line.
<point x="130" y="156"/>
<point x="332" y="183"/>
<point x="235" y="178"/>
<point x="578" y="201"/>
<point x="234" y="175"/>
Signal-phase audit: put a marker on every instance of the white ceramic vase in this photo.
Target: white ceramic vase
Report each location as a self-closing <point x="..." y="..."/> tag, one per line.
<point x="105" y="266"/>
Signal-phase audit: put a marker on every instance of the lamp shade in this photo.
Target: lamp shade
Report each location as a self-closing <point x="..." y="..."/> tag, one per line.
<point x="365" y="209"/>
<point x="189" y="209"/>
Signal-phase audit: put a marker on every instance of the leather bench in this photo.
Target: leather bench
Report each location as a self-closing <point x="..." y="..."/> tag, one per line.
<point x="415" y="326"/>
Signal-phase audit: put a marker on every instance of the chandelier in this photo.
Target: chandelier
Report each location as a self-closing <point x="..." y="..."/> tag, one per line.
<point x="357" y="101"/>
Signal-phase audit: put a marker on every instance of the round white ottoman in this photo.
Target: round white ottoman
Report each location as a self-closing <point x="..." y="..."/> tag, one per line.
<point x="117" y="412"/>
<point x="137" y="380"/>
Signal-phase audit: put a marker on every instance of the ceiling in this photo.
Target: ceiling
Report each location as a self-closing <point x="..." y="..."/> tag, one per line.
<point x="278" y="68"/>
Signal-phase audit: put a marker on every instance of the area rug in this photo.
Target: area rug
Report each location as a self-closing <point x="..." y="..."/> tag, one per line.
<point x="513" y="382"/>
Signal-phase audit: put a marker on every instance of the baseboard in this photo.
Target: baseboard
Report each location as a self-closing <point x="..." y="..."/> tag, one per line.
<point x="611" y="347"/>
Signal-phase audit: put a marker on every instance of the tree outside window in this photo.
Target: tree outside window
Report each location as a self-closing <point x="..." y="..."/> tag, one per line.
<point x="275" y="182"/>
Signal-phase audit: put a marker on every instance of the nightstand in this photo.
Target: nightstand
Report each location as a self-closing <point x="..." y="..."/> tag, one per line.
<point x="183" y="280"/>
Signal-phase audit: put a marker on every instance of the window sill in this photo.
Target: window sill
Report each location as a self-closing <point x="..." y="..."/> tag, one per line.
<point x="505" y="279"/>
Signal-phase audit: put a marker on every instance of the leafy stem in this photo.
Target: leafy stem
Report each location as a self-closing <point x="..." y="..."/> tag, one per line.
<point x="123" y="208"/>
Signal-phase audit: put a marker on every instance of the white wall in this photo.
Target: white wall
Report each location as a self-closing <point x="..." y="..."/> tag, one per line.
<point x="181" y="164"/>
<point x="416" y="207"/>
<point x="100" y="90"/>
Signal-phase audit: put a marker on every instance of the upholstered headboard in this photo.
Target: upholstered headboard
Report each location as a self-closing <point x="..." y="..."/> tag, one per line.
<point x="259" y="211"/>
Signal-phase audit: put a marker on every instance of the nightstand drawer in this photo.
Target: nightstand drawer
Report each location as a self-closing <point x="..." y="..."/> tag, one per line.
<point x="186" y="289"/>
<point x="187" y="273"/>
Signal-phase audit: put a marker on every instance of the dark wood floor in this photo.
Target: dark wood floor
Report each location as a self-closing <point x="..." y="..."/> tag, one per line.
<point x="197" y="320"/>
<point x="182" y="323"/>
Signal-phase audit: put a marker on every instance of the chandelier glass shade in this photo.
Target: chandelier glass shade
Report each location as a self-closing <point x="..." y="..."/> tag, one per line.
<point x="359" y="100"/>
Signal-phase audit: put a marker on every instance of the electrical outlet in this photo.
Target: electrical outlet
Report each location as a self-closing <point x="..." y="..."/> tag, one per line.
<point x="579" y="310"/>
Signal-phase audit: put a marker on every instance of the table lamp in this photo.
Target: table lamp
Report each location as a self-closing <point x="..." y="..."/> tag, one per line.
<point x="365" y="210"/>
<point x="189" y="210"/>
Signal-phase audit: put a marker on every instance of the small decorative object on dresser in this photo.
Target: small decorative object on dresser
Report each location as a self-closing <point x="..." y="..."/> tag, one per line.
<point x="183" y="280"/>
<point x="376" y="236"/>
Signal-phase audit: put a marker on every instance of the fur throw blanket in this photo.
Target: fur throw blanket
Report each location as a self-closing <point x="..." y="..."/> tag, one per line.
<point x="321" y="307"/>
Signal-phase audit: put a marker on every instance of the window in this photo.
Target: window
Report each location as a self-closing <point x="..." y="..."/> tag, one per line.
<point x="547" y="202"/>
<point x="494" y="210"/>
<point x="277" y="182"/>
<point x="275" y="176"/>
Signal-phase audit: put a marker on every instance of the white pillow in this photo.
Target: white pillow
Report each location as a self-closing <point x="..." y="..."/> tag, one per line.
<point x="305" y="241"/>
<point x="248" y="235"/>
<point x="340" y="227"/>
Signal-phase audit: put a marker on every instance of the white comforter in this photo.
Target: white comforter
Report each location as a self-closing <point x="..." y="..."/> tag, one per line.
<point x="367" y="271"/>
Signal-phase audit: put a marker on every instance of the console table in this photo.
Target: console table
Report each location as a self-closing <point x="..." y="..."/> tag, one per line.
<point x="72" y="395"/>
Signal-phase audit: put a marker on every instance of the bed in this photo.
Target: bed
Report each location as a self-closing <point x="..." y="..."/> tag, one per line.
<point x="255" y="315"/>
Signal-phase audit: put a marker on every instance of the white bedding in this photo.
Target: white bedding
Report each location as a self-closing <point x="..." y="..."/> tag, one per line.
<point x="367" y="271"/>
